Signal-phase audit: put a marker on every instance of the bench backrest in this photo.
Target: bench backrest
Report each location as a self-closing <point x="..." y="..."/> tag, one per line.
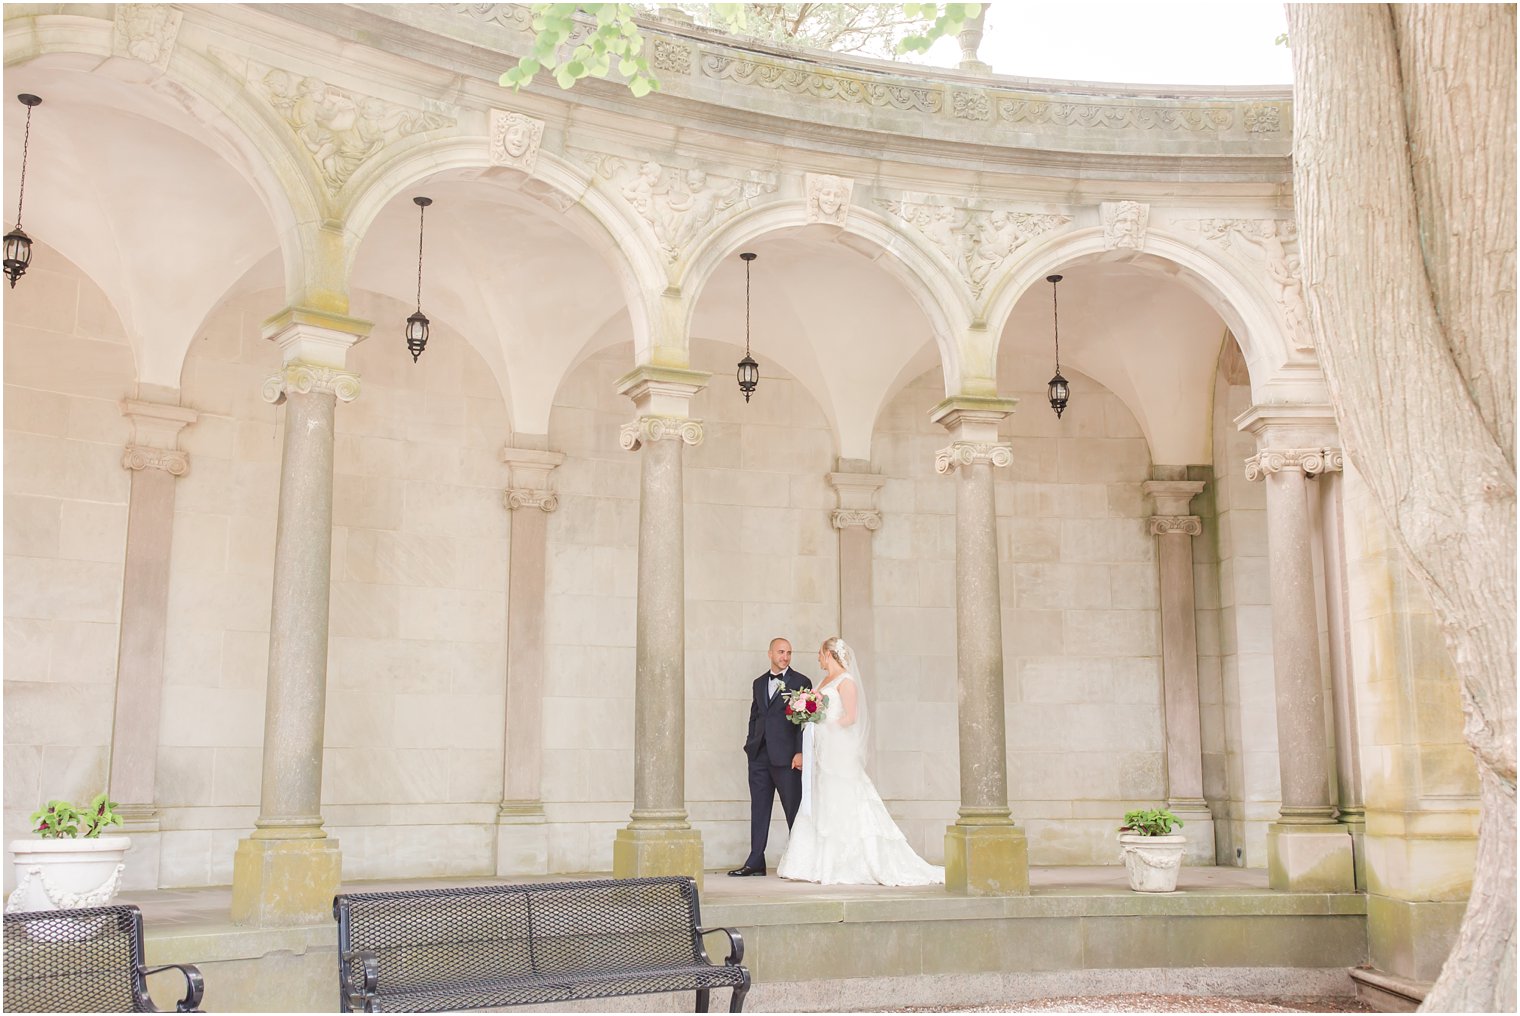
<point x="73" y="960"/>
<point x="453" y="936"/>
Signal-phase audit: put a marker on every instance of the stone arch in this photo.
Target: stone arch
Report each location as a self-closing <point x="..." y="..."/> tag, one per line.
<point x="555" y="183"/>
<point x="1248" y="309"/>
<point x="194" y="92"/>
<point x="904" y="255"/>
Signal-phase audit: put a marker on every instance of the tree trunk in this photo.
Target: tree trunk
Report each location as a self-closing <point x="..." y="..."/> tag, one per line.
<point x="1404" y="182"/>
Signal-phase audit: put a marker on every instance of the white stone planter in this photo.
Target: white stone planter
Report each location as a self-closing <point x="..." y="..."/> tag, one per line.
<point x="65" y="874"/>
<point x="1152" y="861"/>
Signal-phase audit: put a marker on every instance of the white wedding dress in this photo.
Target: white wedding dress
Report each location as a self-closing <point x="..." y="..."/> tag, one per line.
<point x="843" y="834"/>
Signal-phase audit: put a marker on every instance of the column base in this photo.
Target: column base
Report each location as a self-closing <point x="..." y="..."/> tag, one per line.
<point x="140" y="822"/>
<point x="1198" y="828"/>
<point x="281" y="883"/>
<point x="1411" y="939"/>
<point x="637" y="853"/>
<point x="1310" y="858"/>
<point x="522" y="840"/>
<point x="986" y="860"/>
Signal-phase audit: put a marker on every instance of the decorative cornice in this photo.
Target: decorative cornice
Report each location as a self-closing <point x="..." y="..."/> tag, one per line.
<point x="1188" y="525"/>
<point x="659" y="428"/>
<point x="530" y="497"/>
<point x="171" y="461"/>
<point x="822" y="84"/>
<point x="844" y="518"/>
<point x="1063" y="112"/>
<point x="969" y="453"/>
<point x="1312" y="461"/>
<point x="304" y="378"/>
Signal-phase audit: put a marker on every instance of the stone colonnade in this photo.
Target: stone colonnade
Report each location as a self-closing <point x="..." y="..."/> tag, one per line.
<point x="287" y="870"/>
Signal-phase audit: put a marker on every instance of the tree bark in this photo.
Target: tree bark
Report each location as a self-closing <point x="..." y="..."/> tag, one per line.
<point x="1404" y="182"/>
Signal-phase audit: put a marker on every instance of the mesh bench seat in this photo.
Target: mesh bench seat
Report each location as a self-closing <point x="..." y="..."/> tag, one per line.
<point x="88" y="960"/>
<point x="434" y="950"/>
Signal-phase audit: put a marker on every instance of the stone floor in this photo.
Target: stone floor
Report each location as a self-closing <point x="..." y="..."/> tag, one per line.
<point x="1166" y="1003"/>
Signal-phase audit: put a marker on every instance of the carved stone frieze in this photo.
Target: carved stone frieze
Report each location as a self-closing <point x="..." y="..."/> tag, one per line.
<point x="146" y="32"/>
<point x="821" y="84"/>
<point x="515" y="139"/>
<point x="171" y="461"/>
<point x="1313" y="461"/>
<point x="844" y="518"/>
<point x="659" y="428"/>
<point x="1273" y="244"/>
<point x="968" y="453"/>
<point x="828" y="197"/>
<point x="679" y="204"/>
<point x="515" y="16"/>
<point x="530" y="497"/>
<point x="669" y="56"/>
<point x="340" y="129"/>
<point x="1264" y="117"/>
<point x="969" y="105"/>
<point x="1124" y="224"/>
<point x="304" y="378"/>
<point x="1116" y="115"/>
<point x="976" y="240"/>
<point x="1188" y="525"/>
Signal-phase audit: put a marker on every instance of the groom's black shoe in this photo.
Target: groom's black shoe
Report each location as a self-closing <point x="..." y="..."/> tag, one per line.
<point x="747" y="870"/>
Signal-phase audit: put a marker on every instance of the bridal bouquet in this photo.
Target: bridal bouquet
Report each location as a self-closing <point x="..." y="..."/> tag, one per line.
<point x="805" y="705"/>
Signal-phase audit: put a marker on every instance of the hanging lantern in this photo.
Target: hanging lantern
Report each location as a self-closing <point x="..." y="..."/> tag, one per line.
<point x="18" y="246"/>
<point x="417" y="324"/>
<point x="749" y="370"/>
<point x="1059" y="389"/>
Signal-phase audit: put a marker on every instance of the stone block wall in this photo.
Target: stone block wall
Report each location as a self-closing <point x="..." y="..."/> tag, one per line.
<point x="68" y="365"/>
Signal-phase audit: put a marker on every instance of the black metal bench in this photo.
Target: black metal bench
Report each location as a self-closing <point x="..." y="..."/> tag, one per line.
<point x="88" y="960"/>
<point x="434" y="950"/>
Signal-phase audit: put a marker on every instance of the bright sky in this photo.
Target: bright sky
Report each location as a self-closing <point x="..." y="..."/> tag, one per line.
<point x="1218" y="43"/>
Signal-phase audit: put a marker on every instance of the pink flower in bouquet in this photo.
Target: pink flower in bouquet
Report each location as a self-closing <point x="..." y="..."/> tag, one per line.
<point x="804" y="706"/>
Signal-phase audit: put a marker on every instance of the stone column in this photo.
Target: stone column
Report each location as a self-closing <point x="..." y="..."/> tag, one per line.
<point x="522" y="842"/>
<point x="155" y="461"/>
<point x="1174" y="530"/>
<point x="658" y="839"/>
<point x="985" y="853"/>
<point x="1348" y="765"/>
<point x="856" y="518"/>
<point x="287" y="872"/>
<point x="1306" y="849"/>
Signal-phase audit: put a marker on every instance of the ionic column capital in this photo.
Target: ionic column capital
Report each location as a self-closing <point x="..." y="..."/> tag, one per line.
<point x="959" y="454"/>
<point x="659" y="428"/>
<point x="845" y="518"/>
<point x="514" y="498"/>
<point x="170" y="460"/>
<point x="304" y="377"/>
<point x="1188" y="525"/>
<point x="155" y="435"/>
<point x="1310" y="461"/>
<point x="528" y="478"/>
<point x="857" y="498"/>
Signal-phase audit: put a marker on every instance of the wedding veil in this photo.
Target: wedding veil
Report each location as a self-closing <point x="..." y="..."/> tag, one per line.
<point x="840" y="648"/>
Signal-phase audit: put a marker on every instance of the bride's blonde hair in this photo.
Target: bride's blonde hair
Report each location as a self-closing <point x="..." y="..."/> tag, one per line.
<point x="836" y="647"/>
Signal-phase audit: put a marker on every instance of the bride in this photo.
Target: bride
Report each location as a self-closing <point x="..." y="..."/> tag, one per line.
<point x="843" y="834"/>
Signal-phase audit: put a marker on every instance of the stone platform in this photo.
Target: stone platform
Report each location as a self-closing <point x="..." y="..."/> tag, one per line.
<point x="838" y="948"/>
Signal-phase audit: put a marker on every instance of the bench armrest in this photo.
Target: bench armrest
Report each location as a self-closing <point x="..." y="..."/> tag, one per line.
<point x="735" y="944"/>
<point x="195" y="985"/>
<point x="360" y="999"/>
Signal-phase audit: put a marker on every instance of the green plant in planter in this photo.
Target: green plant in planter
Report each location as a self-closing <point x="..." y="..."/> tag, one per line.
<point x="60" y="819"/>
<point x="1150" y="822"/>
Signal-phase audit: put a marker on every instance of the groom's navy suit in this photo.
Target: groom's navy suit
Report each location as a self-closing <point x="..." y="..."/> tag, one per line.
<point x="772" y="743"/>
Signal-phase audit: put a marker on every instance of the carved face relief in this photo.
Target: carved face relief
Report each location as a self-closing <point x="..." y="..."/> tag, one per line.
<point x="515" y="139"/>
<point x="828" y="197"/>
<point x="1124" y="224"/>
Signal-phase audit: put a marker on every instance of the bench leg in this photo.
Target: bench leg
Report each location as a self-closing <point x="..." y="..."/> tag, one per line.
<point x="702" y="999"/>
<point x="736" y="1004"/>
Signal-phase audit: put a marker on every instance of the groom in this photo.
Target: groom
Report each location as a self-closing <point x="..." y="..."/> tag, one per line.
<point x="774" y="747"/>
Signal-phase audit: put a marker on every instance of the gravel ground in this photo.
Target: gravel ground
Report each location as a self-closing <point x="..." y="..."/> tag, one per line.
<point x="1164" y="1003"/>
